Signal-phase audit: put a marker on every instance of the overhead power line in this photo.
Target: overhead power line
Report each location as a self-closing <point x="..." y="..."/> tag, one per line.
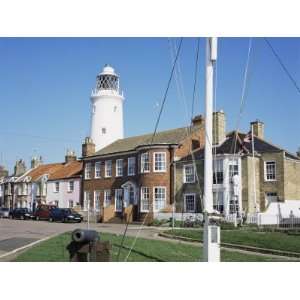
<point x="167" y="89"/>
<point x="285" y="69"/>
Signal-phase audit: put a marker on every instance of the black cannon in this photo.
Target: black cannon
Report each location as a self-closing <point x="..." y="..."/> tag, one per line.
<point x="86" y="246"/>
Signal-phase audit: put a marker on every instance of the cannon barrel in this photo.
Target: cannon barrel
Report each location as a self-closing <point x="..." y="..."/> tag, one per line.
<point x="84" y="235"/>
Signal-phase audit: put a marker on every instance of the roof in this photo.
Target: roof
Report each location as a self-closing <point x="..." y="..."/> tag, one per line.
<point x="56" y="170"/>
<point x="168" y="137"/>
<point x="68" y="170"/>
<point x="240" y="143"/>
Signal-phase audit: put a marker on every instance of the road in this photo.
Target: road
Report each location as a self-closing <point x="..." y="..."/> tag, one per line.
<point x="18" y="233"/>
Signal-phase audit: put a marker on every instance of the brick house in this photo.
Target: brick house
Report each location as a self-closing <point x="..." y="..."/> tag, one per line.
<point x="272" y="174"/>
<point x="133" y="178"/>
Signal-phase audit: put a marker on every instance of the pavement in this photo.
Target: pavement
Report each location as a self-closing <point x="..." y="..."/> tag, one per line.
<point x="16" y="234"/>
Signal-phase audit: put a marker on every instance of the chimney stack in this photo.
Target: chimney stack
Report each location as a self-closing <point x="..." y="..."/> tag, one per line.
<point x="70" y="156"/>
<point x="219" y="127"/>
<point x="20" y="167"/>
<point x="198" y="120"/>
<point x="35" y="162"/>
<point x="3" y="172"/>
<point x="88" y="147"/>
<point x="258" y="129"/>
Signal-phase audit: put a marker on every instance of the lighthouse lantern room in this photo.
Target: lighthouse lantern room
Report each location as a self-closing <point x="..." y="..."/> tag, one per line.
<point x="107" y="109"/>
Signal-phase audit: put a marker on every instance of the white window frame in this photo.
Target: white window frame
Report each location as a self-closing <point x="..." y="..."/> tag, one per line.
<point x="108" y="163"/>
<point x="116" y="195"/>
<point x="88" y="171"/>
<point x="118" y="168"/>
<point x="97" y="169"/>
<point x="184" y="173"/>
<point x="131" y="160"/>
<point x="143" y="199"/>
<point x="143" y="162"/>
<point x="69" y="186"/>
<point x="97" y="192"/>
<point x="185" y="206"/>
<point x="154" y="161"/>
<point x="265" y="170"/>
<point x="105" y="201"/>
<point x="56" y="190"/>
<point x="154" y="202"/>
<point x="86" y="200"/>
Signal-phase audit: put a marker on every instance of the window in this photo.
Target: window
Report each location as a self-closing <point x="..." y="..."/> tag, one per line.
<point x="108" y="168"/>
<point x="145" y="163"/>
<point x="97" y="169"/>
<point x="71" y="186"/>
<point x="159" y="198"/>
<point x="189" y="173"/>
<point x="131" y="166"/>
<point x="189" y="203"/>
<point x="218" y="201"/>
<point x="86" y="201"/>
<point x="88" y="171"/>
<point x="103" y="130"/>
<point x="233" y="168"/>
<point x="118" y="199"/>
<point x="218" y="171"/>
<point x="270" y="170"/>
<point x="71" y="204"/>
<point x="107" y="198"/>
<point x="119" y="167"/>
<point x="233" y="203"/>
<point x="56" y="203"/>
<point x="145" y="197"/>
<point x="97" y="201"/>
<point x="56" y="187"/>
<point x="159" y="161"/>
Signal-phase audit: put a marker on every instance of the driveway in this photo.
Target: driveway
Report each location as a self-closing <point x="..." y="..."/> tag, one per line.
<point x="18" y="233"/>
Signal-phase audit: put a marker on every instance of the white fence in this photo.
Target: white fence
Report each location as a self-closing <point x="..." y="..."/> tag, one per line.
<point x="262" y="219"/>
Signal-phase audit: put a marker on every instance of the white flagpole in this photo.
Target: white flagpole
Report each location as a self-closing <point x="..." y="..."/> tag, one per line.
<point x="211" y="234"/>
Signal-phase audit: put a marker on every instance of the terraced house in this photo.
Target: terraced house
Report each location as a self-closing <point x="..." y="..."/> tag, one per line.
<point x="133" y="178"/>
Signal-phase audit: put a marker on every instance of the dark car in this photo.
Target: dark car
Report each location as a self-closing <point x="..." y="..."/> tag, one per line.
<point x="42" y="212"/>
<point x="21" y="213"/>
<point x="64" y="215"/>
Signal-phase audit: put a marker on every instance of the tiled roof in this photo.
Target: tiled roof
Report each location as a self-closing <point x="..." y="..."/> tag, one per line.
<point x="68" y="170"/>
<point x="240" y="143"/>
<point x="56" y="170"/>
<point x="173" y="136"/>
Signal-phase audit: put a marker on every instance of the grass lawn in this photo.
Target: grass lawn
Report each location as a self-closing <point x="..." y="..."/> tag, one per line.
<point x="269" y="240"/>
<point x="144" y="251"/>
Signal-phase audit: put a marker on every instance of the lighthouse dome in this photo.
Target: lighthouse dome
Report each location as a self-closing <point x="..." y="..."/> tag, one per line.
<point x="108" y="70"/>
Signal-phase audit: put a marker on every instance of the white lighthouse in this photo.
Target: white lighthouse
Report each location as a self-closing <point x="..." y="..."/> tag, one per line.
<point x="107" y="109"/>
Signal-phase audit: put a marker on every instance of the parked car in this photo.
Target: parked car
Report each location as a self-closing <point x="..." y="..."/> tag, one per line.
<point x="42" y="212"/>
<point x="4" y="212"/>
<point x="21" y="213"/>
<point x="64" y="215"/>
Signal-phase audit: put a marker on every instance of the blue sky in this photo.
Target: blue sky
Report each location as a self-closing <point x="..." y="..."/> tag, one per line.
<point x="45" y="84"/>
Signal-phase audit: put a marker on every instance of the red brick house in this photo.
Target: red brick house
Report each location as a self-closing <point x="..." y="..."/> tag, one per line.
<point x="133" y="178"/>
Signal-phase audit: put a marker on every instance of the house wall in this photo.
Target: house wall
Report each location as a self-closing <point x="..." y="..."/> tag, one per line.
<point x="248" y="201"/>
<point x="291" y="179"/>
<point x="63" y="196"/>
<point x="276" y="186"/>
<point x="150" y="180"/>
<point x="182" y="188"/>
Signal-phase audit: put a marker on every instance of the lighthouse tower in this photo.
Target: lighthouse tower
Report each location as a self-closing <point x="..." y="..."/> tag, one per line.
<point x="107" y="109"/>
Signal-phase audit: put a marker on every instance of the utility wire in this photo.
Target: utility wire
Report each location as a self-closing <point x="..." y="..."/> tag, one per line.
<point x="167" y="89"/>
<point x="154" y="133"/>
<point x="282" y="65"/>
